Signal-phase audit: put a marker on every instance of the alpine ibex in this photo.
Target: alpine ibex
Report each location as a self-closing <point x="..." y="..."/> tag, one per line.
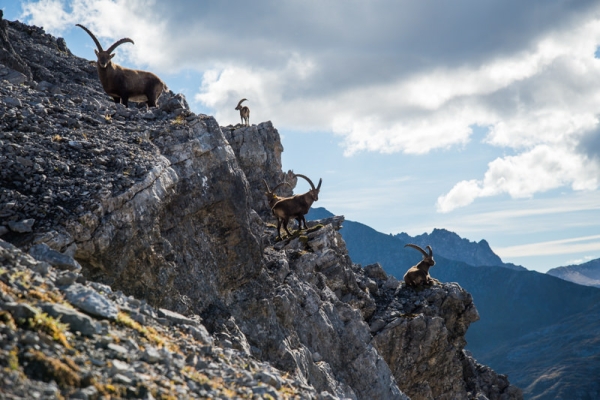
<point x="418" y="275"/>
<point x="295" y="207"/>
<point x="244" y="113"/>
<point x="124" y="84"/>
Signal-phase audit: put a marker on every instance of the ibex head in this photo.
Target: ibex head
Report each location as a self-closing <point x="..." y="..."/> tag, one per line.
<point x="314" y="192"/>
<point x="271" y="196"/>
<point x="104" y="56"/>
<point x="239" y="106"/>
<point x="428" y="260"/>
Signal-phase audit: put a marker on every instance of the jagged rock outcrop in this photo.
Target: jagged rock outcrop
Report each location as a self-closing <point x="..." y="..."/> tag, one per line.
<point x="421" y="335"/>
<point x="162" y="205"/>
<point x="56" y="347"/>
<point x="148" y="201"/>
<point x="258" y="150"/>
<point x="307" y="313"/>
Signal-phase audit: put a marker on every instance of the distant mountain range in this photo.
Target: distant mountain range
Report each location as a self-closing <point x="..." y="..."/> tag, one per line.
<point x="542" y="331"/>
<point x="450" y="245"/>
<point x="587" y="274"/>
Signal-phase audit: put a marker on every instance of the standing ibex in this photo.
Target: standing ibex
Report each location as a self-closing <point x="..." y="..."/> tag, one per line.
<point x="295" y="207"/>
<point x="244" y="113"/>
<point x="272" y="198"/>
<point x="418" y="275"/>
<point x="124" y="84"/>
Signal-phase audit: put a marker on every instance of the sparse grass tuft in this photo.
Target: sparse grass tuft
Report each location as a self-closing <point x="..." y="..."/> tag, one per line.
<point x="48" y="297"/>
<point x="178" y="120"/>
<point x="288" y="392"/>
<point x="42" y="322"/>
<point x="298" y="233"/>
<point x="315" y="228"/>
<point x="21" y="278"/>
<point x="7" y="319"/>
<point x="196" y="376"/>
<point x="13" y="359"/>
<point x="48" y="368"/>
<point x="108" y="390"/>
<point x="147" y="331"/>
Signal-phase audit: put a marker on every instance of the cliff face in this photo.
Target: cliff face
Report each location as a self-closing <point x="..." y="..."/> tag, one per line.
<point x="162" y="205"/>
<point x="258" y="151"/>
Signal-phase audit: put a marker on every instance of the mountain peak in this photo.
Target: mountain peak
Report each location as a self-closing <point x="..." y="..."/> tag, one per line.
<point x="587" y="274"/>
<point x="450" y="245"/>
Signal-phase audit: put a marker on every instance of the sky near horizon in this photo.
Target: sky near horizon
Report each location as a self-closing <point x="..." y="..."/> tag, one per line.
<point x="478" y="117"/>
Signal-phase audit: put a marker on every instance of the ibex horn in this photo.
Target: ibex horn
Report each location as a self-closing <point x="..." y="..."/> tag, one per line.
<point x="118" y="43"/>
<point x="92" y="35"/>
<point x="308" y="180"/>
<point x="414" y="246"/>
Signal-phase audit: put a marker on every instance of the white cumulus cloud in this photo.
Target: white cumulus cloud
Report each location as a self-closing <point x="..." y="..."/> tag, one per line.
<point x="387" y="76"/>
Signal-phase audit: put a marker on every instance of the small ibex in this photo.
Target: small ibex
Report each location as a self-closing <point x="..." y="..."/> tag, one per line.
<point x="244" y="113"/>
<point x="295" y="207"/>
<point x="124" y="84"/>
<point x="418" y="275"/>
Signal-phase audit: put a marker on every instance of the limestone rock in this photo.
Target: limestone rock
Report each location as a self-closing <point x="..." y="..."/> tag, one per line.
<point x="166" y="214"/>
<point x="78" y="322"/>
<point x="258" y="149"/>
<point x="44" y="253"/>
<point x="89" y="301"/>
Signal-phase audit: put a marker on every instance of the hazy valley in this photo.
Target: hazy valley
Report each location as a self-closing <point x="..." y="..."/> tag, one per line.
<point x="540" y="330"/>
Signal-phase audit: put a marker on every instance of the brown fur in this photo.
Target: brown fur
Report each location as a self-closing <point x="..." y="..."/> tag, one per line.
<point x="295" y="207"/>
<point x="124" y="84"/>
<point x="418" y="275"/>
<point x="244" y="113"/>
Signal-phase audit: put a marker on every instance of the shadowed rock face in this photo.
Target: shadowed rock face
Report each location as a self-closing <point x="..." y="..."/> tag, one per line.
<point x="306" y="314"/>
<point x="184" y="240"/>
<point x="9" y="57"/>
<point x="150" y="202"/>
<point x="421" y="336"/>
<point x="162" y="206"/>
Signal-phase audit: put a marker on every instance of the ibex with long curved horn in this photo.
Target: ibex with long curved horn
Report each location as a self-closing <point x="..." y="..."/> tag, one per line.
<point x="295" y="207"/>
<point x="124" y="84"/>
<point x="418" y="275"/>
<point x="244" y="113"/>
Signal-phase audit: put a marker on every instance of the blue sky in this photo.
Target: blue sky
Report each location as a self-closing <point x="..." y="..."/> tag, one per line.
<point x="477" y="117"/>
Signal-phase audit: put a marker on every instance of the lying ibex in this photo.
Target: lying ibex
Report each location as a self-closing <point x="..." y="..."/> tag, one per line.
<point x="418" y="275"/>
<point x="124" y="84"/>
<point x="244" y="113"/>
<point x="295" y="207"/>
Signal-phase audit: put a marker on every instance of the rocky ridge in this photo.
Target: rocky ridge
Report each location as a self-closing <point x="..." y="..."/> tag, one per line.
<point x="157" y="210"/>
<point x="587" y="274"/>
<point x="62" y="336"/>
<point x="451" y="246"/>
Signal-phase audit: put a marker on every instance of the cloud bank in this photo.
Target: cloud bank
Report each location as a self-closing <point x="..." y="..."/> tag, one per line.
<point x="387" y="76"/>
